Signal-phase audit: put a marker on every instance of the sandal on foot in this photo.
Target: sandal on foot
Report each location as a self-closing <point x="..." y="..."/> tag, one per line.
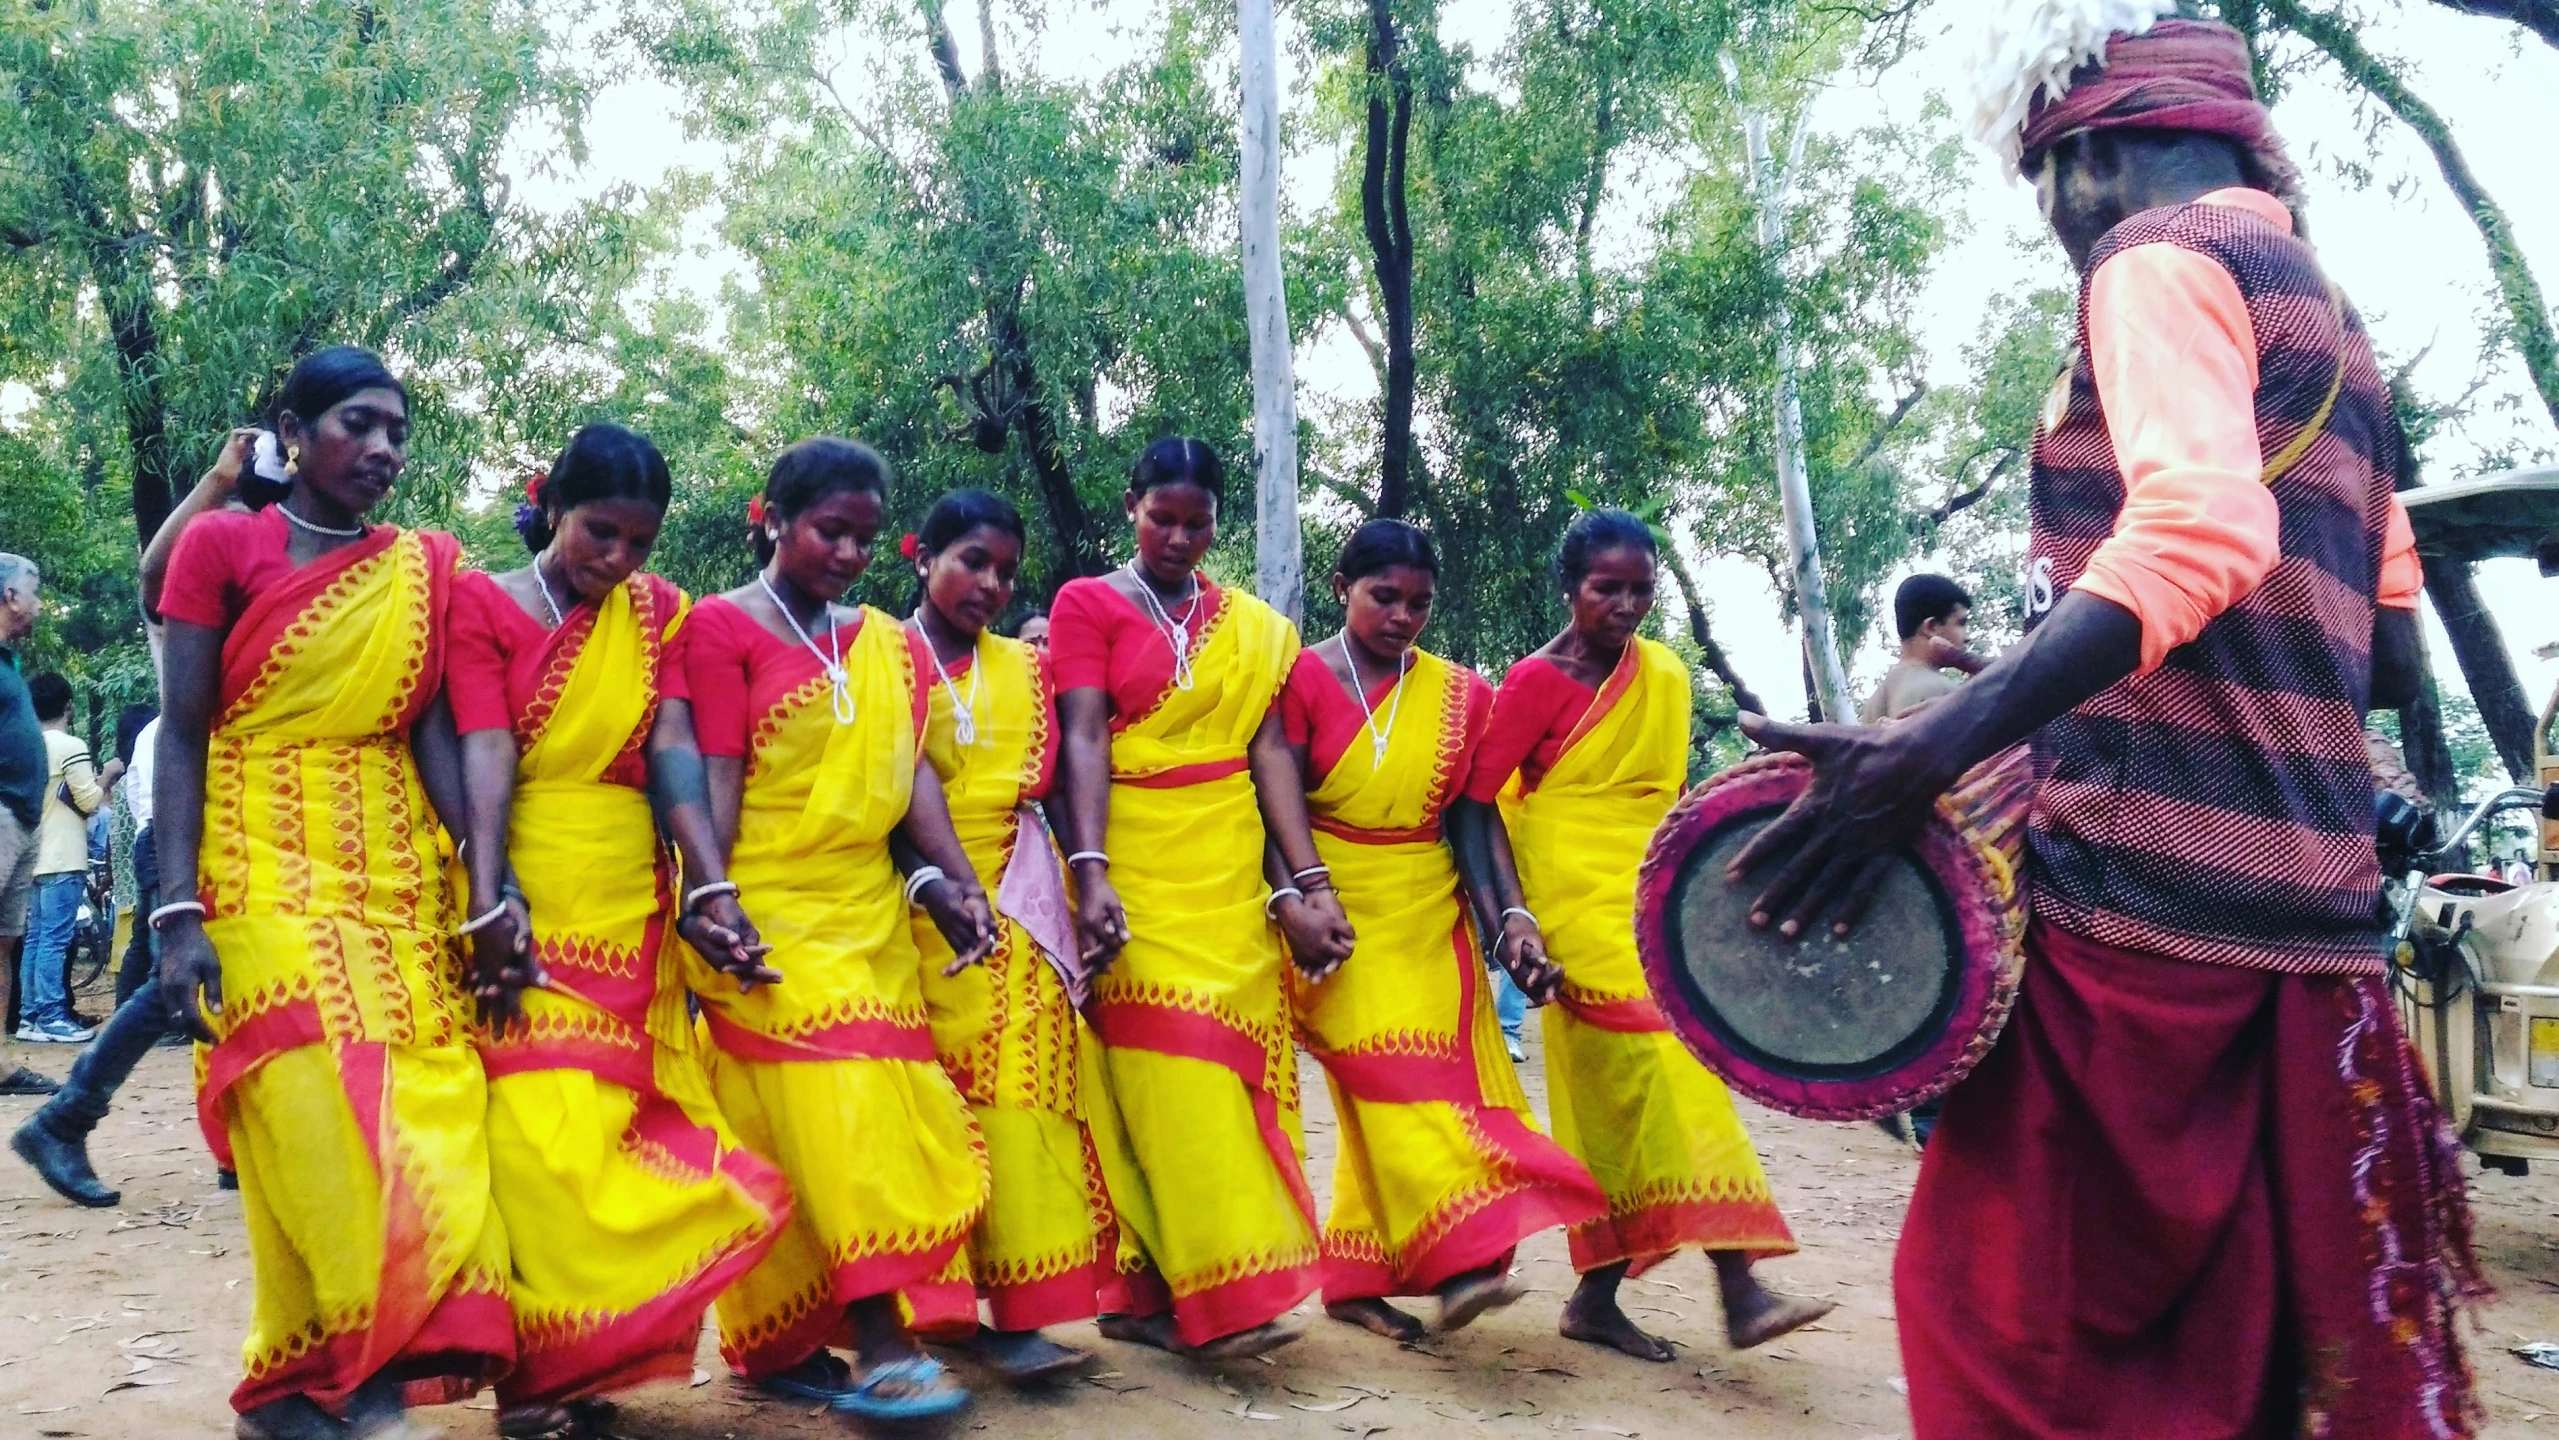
<point x="823" y="1377"/>
<point x="939" y="1394"/>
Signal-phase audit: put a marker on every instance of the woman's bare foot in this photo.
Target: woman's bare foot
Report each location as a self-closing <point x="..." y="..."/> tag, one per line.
<point x="1466" y="1298"/>
<point x="1245" y="1344"/>
<point x="1378" y="1318"/>
<point x="1156" y="1330"/>
<point x="1024" y="1356"/>
<point x="1766" y="1314"/>
<point x="1597" y="1320"/>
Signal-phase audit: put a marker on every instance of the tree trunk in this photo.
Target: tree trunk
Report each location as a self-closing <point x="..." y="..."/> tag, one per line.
<point x="2525" y="309"/>
<point x="1384" y="216"/>
<point x="2428" y="751"/>
<point x="1278" y="568"/>
<point x="2481" y="649"/>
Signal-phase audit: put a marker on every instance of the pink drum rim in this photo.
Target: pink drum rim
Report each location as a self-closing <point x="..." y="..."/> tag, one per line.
<point x="1984" y="993"/>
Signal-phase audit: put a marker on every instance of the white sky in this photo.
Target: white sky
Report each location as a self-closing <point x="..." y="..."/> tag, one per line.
<point x="2400" y="246"/>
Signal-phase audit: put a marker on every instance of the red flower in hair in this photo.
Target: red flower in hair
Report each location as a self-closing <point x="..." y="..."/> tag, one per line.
<point x="755" y="510"/>
<point x="533" y="484"/>
<point x="909" y="547"/>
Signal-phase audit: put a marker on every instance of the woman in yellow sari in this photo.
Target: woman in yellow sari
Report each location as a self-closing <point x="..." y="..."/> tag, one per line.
<point x="306" y="759"/>
<point x="1007" y="1030"/>
<point x="1587" y="750"/>
<point x="1439" y="1173"/>
<point x="1185" y="819"/>
<point x="810" y="717"/>
<point x="627" y="1203"/>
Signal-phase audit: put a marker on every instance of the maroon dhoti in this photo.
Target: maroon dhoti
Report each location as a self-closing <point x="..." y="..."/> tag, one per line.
<point x="2183" y="1200"/>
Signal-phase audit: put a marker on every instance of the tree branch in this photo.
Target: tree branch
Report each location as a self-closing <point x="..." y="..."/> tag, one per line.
<point x="946" y="54"/>
<point x="1704" y="637"/>
<point x="2525" y="308"/>
<point x="1892" y="422"/>
<point x="2541" y="17"/>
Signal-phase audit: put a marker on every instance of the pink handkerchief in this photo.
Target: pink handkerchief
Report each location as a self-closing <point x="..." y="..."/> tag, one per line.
<point x="1033" y="895"/>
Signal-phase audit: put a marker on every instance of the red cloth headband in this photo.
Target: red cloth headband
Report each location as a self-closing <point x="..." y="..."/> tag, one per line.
<point x="2183" y="75"/>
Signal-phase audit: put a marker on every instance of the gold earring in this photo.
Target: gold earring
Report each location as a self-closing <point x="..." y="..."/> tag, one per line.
<point x="292" y="461"/>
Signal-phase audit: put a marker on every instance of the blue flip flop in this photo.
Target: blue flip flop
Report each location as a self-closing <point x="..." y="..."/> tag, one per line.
<point x="865" y="1401"/>
<point x="823" y="1377"/>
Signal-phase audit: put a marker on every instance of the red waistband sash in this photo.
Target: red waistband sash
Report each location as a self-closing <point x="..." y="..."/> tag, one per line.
<point x="843" y="1040"/>
<point x="1184" y="775"/>
<point x="1411" y="835"/>
<point x="1632" y="1015"/>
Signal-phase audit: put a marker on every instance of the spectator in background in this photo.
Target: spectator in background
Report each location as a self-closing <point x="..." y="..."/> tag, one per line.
<point x="137" y="731"/>
<point x="1934" y="616"/>
<point x="22" y="775"/>
<point x="75" y="789"/>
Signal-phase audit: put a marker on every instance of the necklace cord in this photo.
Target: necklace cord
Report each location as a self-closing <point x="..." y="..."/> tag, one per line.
<point x="830" y="660"/>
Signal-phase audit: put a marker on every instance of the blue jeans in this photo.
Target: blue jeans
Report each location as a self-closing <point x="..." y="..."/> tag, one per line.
<point x="103" y="1068"/>
<point x="1509" y="1005"/>
<point x="140" y="954"/>
<point x="53" y="912"/>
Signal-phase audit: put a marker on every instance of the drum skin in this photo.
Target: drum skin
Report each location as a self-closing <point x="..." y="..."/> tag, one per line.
<point x="1830" y="1029"/>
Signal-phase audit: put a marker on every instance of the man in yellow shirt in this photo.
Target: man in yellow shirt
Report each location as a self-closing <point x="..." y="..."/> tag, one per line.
<point x="75" y="789"/>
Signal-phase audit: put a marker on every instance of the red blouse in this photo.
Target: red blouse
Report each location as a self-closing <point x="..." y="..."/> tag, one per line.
<point x="1318" y="713"/>
<point x="730" y="660"/>
<point x="498" y="654"/>
<point x="1099" y="639"/>
<point x="223" y="560"/>
<point x="1538" y="707"/>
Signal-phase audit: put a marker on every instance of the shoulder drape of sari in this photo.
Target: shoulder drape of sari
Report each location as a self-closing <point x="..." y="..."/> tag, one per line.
<point x="1218" y="1223"/>
<point x="343" y="1088"/>
<point x="1579" y="836"/>
<point x="1437" y="1169"/>
<point x="630" y="1204"/>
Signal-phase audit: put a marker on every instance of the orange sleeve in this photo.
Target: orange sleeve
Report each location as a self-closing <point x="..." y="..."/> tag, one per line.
<point x="2175" y="361"/>
<point x="2402" y="578"/>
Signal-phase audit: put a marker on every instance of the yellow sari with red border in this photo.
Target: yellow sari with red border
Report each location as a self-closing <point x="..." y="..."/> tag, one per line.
<point x="1199" y="1136"/>
<point x="343" y="1087"/>
<point x="1005" y="1029"/>
<point x="1656" y="1128"/>
<point x="629" y="1203"/>
<point x="1439" y="1169"/>
<point x="831" y="1075"/>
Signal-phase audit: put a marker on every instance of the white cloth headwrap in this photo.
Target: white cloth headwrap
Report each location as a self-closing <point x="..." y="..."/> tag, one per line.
<point x="2033" y="46"/>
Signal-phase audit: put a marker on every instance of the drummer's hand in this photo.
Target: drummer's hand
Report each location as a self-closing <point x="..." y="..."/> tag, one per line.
<point x="1521" y="949"/>
<point x="961" y="912"/>
<point x="1871" y="792"/>
<point x="1319" y="935"/>
<point x="1101" y="922"/>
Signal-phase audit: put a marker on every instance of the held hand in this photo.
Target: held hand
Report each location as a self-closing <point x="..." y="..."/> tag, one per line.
<point x="966" y="920"/>
<point x="1871" y="793"/>
<point x="190" y="976"/>
<point x="719" y="931"/>
<point x="1521" y="950"/>
<point x="1319" y="935"/>
<point x="503" y="968"/>
<point x="1945" y="654"/>
<point x="1101" y="922"/>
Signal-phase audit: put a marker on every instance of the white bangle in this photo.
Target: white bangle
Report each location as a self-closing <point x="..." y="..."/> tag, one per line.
<point x="1301" y="877"/>
<point x="916" y="882"/>
<point x="1270" y="907"/>
<point x="482" y="922"/>
<point x="695" y="895"/>
<point x="1521" y="912"/>
<point x="1080" y="856"/>
<point x="174" y="907"/>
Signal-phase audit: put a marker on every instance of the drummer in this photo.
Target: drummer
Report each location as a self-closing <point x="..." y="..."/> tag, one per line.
<point x="2198" y="1187"/>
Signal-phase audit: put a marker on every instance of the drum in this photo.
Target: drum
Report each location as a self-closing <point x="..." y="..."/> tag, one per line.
<point x="1840" y="1029"/>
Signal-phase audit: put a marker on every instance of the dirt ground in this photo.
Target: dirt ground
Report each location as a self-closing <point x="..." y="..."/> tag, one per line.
<point x="126" y="1322"/>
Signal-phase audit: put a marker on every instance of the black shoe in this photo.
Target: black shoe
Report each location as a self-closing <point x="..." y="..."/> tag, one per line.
<point x="23" y="1081"/>
<point x="64" y="1164"/>
<point x="226" y="1179"/>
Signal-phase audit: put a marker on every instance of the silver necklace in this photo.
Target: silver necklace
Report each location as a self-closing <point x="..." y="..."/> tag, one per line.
<point x="963" y="712"/>
<point x="839" y="692"/>
<point x="307" y="527"/>
<point x="1394" y="705"/>
<point x="1177" y="634"/>
<point x="558" y="618"/>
